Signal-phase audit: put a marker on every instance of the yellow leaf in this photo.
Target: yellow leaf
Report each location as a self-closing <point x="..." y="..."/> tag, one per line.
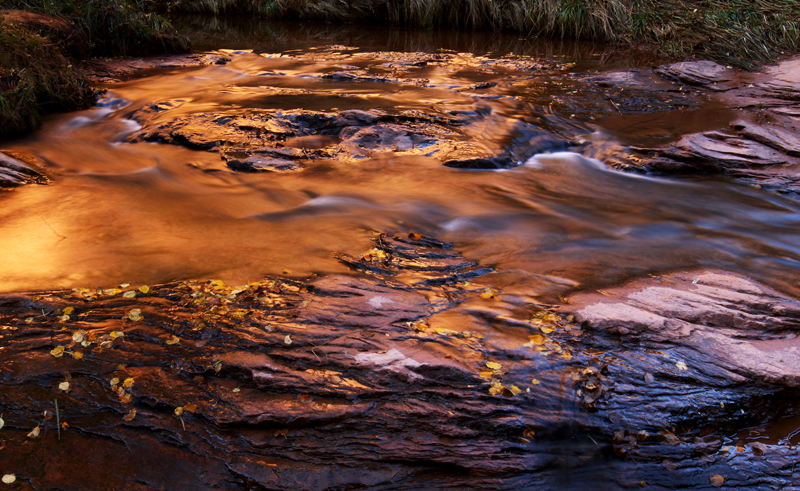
<point x="535" y="381"/>
<point x="515" y="390"/>
<point x="547" y="329"/>
<point x="34" y="432"/>
<point x="77" y="355"/>
<point x="135" y="315"/>
<point x="116" y="334"/>
<point x="191" y="407"/>
<point x="114" y="382"/>
<point x="131" y="414"/>
<point x="69" y="310"/>
<point x="173" y="340"/>
<point x="64" y="386"/>
<point x="128" y="383"/>
<point x="144" y="288"/>
<point x="566" y="355"/>
<point x="79" y="336"/>
<point x="536" y="338"/>
<point x="64" y="425"/>
<point x="130" y="294"/>
<point x="716" y="480"/>
<point x="178" y="411"/>
<point x="58" y="351"/>
<point x="126" y="398"/>
<point x="493" y="365"/>
<point x="486" y="374"/>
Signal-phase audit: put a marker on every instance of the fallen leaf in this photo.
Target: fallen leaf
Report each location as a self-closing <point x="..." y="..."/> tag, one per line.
<point x="528" y="433"/>
<point x="64" y="386"/>
<point x="648" y="378"/>
<point x="1" y="421"/>
<point x="9" y="478"/>
<point x="179" y="411"/>
<point x="190" y="407"/>
<point x="34" y="432"/>
<point x="114" y="382"/>
<point x="515" y="390"/>
<point x="128" y="383"/>
<point x="64" y="425"/>
<point x="716" y="480"/>
<point x="535" y="381"/>
<point x="129" y="294"/>
<point x="237" y="389"/>
<point x="69" y="310"/>
<point x="486" y="374"/>
<point x="287" y="339"/>
<point x="681" y="366"/>
<point x="135" y="315"/>
<point x="131" y="414"/>
<point x="493" y="365"/>
<point x="58" y="351"/>
<point x="77" y="355"/>
<point x="414" y="236"/>
<point x="144" y="288"/>
<point x="79" y="336"/>
<point x="173" y="340"/>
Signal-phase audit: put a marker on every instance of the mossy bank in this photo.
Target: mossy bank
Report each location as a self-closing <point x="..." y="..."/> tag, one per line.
<point x="40" y="41"/>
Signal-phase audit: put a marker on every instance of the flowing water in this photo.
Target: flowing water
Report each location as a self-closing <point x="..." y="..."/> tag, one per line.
<point x="123" y="207"/>
<point x="143" y="212"/>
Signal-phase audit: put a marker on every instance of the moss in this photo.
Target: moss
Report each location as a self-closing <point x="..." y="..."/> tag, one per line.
<point x="35" y="78"/>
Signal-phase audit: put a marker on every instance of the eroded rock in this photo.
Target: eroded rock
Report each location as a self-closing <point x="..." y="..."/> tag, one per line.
<point x="15" y="172"/>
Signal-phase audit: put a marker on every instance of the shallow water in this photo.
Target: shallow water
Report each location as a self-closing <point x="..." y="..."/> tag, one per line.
<point x="123" y="210"/>
<point x="144" y="212"/>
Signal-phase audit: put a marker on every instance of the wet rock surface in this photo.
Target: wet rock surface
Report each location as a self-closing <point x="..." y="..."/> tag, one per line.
<point x="413" y="372"/>
<point x="759" y="148"/>
<point x="14" y="172"/>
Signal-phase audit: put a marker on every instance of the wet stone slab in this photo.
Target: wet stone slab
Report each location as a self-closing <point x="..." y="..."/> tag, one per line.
<point x="414" y="371"/>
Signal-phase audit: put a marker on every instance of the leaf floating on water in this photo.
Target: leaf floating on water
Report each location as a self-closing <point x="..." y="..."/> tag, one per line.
<point x="486" y="374"/>
<point x="681" y="366"/>
<point x="493" y="365"/>
<point x="131" y="414"/>
<point x="116" y="334"/>
<point x="58" y="351"/>
<point x="79" y="336"/>
<point x="9" y="478"/>
<point x="69" y="310"/>
<point x="515" y="390"/>
<point x="135" y="315"/>
<point x="34" y="432"/>
<point x="287" y="339"/>
<point x="144" y="289"/>
<point x="173" y="340"/>
<point x="129" y="294"/>
<point x="716" y="480"/>
<point x="64" y="386"/>
<point x="535" y="381"/>
<point x="128" y="383"/>
<point x="488" y="293"/>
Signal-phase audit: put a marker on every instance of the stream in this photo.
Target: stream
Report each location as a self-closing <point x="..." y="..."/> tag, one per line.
<point x="461" y="178"/>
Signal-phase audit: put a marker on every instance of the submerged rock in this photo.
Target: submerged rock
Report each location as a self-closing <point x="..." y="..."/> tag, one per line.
<point x="415" y="374"/>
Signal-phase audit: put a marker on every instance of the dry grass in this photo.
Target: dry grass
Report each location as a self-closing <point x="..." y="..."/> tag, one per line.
<point x="739" y="32"/>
